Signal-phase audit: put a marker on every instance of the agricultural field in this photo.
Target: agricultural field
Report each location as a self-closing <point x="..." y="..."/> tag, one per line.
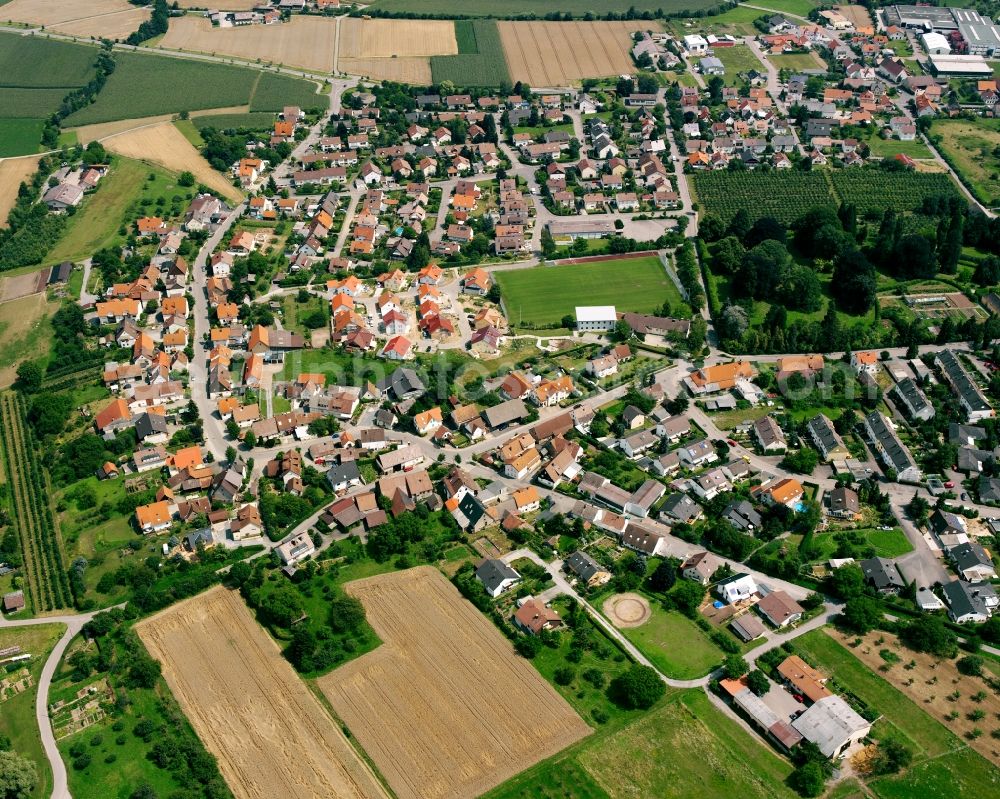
<point x="304" y="42"/>
<point x="17" y="713"/>
<point x="788" y="195"/>
<point x="518" y="8"/>
<point x="24" y="332"/>
<point x="857" y="14"/>
<point x="543" y="295"/>
<point x="798" y="7"/>
<point x="411" y="69"/>
<point x="19" y="137"/>
<point x="444" y="707"/>
<point x="13" y="172"/>
<point x="67" y="65"/>
<point x="561" y="53"/>
<point x="274" y="92"/>
<point x="971" y="146"/>
<point x="396" y="50"/>
<point x="30" y="103"/>
<point x="164" y="145"/>
<point x="146" y="85"/>
<point x="228" y="5"/>
<point x="271" y="736"/>
<point x="56" y="13"/>
<point x="47" y="584"/>
<point x="485" y="65"/>
<point x="117" y="26"/>
<point x="260" y="120"/>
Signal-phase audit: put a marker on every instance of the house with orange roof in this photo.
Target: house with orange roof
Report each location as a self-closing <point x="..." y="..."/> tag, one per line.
<point x="341" y="302"/>
<point x="350" y="286"/>
<point x="174" y="306"/>
<point x="185" y="459"/>
<point x="154" y="517"/>
<point x="478" y="282"/>
<point x="787" y="491"/>
<point x="865" y="362"/>
<point x="253" y="371"/>
<point x="428" y="421"/>
<point x="515" y="385"/>
<point x="226" y="406"/>
<point x="283" y="130"/>
<point x="552" y="392"/>
<point x="151" y="226"/>
<point x="397" y="349"/>
<point x="243" y="243"/>
<point x="176" y="340"/>
<point x="393" y="281"/>
<point x="227" y="312"/>
<point x="116" y="310"/>
<point x="113" y="417"/>
<point x="722" y="377"/>
<point x="526" y="499"/>
<point x="430" y="275"/>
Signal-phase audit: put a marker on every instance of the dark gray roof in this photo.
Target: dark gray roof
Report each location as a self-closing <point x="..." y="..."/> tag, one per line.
<point x="491" y="573"/>
<point x="969" y="555"/>
<point x="968" y="392"/>
<point x="963" y="434"/>
<point x="964" y="598"/>
<point x="343" y="472"/>
<point x="681" y="507"/>
<point x="741" y="515"/>
<point x="882" y="573"/>
<point x="472" y="508"/>
<point x="402" y="383"/>
<point x="505" y="413"/>
<point x="582" y="565"/>
<point x="911" y="395"/>
<point x="149" y="424"/>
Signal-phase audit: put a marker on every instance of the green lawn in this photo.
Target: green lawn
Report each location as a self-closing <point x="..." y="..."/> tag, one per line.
<point x="889" y="543"/>
<point x="541" y="296"/>
<point x="737" y="21"/>
<point x="686" y="748"/>
<point x="675" y="645"/>
<point x="563" y="778"/>
<point x="887" y="148"/>
<point x="20" y="136"/>
<point x="799" y="7"/>
<point x="263" y="120"/>
<point x="738" y="59"/>
<point x="796" y="61"/>
<point x="17" y="714"/>
<point x="959" y="775"/>
<point x="929" y="736"/>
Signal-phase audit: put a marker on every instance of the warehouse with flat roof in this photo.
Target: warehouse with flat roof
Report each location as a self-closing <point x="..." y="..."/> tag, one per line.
<point x="960" y="65"/>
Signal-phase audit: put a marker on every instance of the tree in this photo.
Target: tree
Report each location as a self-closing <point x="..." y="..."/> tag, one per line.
<point x="803" y="461"/>
<point x="29" y="377"/>
<point x="664" y="576"/>
<point x="970" y="665"/>
<point x="638" y="688"/>
<point x="17" y="776"/>
<point x="622" y="331"/>
<point x="917" y="509"/>
<point x="809" y="779"/>
<point x="890" y="757"/>
<point x="758" y="683"/>
<point x="144" y="791"/>
<point x="250" y="439"/>
<point x="687" y="596"/>
<point x="861" y="614"/>
<point x="734" y="667"/>
<point x="929" y="634"/>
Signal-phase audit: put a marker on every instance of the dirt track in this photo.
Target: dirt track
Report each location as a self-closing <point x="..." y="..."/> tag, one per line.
<point x="163" y="144"/>
<point x="304" y="42"/>
<point x="444" y="707"/>
<point x="270" y="734"/>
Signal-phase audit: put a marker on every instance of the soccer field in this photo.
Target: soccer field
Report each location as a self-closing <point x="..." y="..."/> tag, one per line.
<point x="544" y="295"/>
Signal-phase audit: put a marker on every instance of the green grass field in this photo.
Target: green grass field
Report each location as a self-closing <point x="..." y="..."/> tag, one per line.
<point x="66" y="65"/>
<point x="465" y="36"/>
<point x="970" y="144"/>
<point x="274" y="92"/>
<point x="686" y="748"/>
<point x="27" y="103"/>
<point x="738" y="59"/>
<point x="889" y="543"/>
<point x="737" y="21"/>
<point x="929" y="736"/>
<point x="148" y="85"/>
<point x="888" y="148"/>
<point x="120" y="199"/>
<point x="543" y="295"/>
<point x="533" y="8"/>
<point x="659" y="639"/>
<point x="798" y="7"/>
<point x="17" y="714"/>
<point x="796" y="61"/>
<point x="485" y="65"/>
<point x="959" y="775"/>
<point x="263" y="120"/>
<point x="20" y="136"/>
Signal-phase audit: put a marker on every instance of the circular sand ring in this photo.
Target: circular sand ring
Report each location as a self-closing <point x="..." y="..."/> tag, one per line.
<point x="627" y="610"/>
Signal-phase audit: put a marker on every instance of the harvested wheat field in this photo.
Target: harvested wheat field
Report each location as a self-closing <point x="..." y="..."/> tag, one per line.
<point x="444" y="707"/>
<point x="304" y="42"/>
<point x="414" y="69"/>
<point x="385" y="38"/>
<point x="163" y="144"/>
<point x="222" y="5"/>
<point x="271" y="735"/>
<point x="561" y="53"/>
<point x="52" y="12"/>
<point x="13" y="172"/>
<point x="119" y="25"/>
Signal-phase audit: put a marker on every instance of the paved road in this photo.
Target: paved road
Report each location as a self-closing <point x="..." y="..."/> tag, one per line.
<point x="73" y="625"/>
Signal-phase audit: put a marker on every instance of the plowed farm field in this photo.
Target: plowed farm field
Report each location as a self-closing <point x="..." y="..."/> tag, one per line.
<point x="271" y="736"/>
<point x="165" y="145"/>
<point x="304" y="42"/>
<point x="561" y="53"/>
<point x="444" y="708"/>
<point x="393" y="49"/>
